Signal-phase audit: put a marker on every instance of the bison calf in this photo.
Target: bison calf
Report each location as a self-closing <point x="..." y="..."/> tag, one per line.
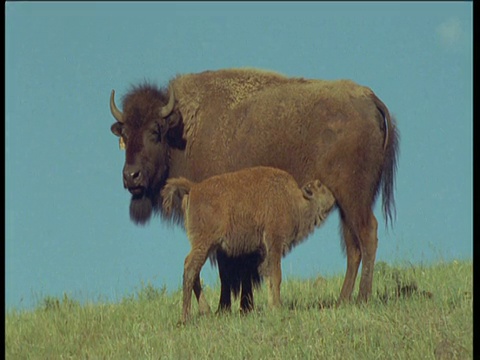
<point x="259" y="209"/>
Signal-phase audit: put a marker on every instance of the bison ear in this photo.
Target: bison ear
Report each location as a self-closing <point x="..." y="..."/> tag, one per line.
<point x="307" y="192"/>
<point x="116" y="128"/>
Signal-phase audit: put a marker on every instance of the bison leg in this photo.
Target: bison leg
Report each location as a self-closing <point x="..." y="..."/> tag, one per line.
<point x="225" y="303"/>
<point x="368" y="246"/>
<point x="353" y="262"/>
<point x="360" y="245"/>
<point x="251" y="277"/>
<point x="246" y="298"/>
<point x="237" y="274"/>
<point x="246" y="301"/>
<point x="225" y="270"/>
<point x="193" y="264"/>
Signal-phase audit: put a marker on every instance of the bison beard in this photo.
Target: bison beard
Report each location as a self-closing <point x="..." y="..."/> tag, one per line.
<point x="141" y="209"/>
<point x="146" y="203"/>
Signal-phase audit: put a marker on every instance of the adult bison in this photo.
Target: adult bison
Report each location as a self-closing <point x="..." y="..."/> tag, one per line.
<point x="221" y="121"/>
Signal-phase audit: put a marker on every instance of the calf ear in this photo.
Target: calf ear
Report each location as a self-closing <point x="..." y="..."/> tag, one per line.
<point x="307" y="192"/>
<point x="116" y="128"/>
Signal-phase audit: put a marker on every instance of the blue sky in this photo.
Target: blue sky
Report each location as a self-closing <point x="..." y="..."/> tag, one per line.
<point x="67" y="227"/>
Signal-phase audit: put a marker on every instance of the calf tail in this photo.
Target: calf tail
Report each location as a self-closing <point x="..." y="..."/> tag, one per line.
<point x="172" y="195"/>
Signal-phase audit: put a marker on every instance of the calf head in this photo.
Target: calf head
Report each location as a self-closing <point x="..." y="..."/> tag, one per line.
<point x="320" y="199"/>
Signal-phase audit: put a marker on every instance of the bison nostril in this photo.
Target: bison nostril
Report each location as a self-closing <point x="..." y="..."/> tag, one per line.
<point x="135" y="175"/>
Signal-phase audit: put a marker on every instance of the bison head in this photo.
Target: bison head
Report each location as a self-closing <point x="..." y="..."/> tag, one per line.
<point x="148" y="127"/>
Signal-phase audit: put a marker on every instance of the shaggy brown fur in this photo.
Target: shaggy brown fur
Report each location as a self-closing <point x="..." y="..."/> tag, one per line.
<point x="258" y="209"/>
<point x="226" y="120"/>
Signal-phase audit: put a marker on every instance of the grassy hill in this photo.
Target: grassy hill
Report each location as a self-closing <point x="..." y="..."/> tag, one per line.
<point x="416" y="312"/>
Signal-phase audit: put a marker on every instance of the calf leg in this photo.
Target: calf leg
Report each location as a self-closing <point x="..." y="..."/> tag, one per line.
<point x="203" y="306"/>
<point x="191" y="279"/>
<point x="274" y="278"/>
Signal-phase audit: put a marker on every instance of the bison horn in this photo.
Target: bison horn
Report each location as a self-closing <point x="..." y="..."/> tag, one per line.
<point x="167" y="109"/>
<point x="117" y="114"/>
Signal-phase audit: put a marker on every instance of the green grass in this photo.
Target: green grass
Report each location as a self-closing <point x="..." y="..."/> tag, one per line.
<point x="417" y="312"/>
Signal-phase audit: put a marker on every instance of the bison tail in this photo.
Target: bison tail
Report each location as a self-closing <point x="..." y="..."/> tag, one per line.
<point x="389" y="170"/>
<point x="172" y="195"/>
<point x="388" y="175"/>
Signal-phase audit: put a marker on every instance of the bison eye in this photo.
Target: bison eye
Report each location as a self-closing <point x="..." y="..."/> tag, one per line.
<point x="155" y="135"/>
